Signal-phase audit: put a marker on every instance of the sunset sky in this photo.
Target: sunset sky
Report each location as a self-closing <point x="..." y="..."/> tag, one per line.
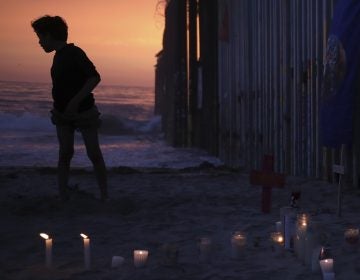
<point x="121" y="37"/>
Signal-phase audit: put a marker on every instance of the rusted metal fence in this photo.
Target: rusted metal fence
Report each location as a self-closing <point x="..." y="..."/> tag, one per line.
<point x="171" y="75"/>
<point x="257" y="83"/>
<point x="270" y="76"/>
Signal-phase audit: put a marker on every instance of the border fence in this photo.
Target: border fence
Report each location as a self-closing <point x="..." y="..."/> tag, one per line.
<point x="270" y="76"/>
<point x="259" y="77"/>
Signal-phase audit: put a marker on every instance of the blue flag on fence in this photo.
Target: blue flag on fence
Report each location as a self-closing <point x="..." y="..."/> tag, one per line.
<point x="342" y="66"/>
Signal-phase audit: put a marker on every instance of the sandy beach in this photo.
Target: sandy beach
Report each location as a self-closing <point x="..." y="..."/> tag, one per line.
<point x="155" y="209"/>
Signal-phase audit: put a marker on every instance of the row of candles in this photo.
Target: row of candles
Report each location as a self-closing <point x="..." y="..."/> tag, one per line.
<point x="299" y="237"/>
<point x="298" y="233"/>
<point x="140" y="256"/>
<point x="238" y="242"/>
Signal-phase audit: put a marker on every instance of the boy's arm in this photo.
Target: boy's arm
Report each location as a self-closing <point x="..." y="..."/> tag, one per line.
<point x="88" y="87"/>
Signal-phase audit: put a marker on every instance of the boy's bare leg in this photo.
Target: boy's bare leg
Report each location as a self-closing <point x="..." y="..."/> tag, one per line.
<point x="94" y="153"/>
<point x="65" y="136"/>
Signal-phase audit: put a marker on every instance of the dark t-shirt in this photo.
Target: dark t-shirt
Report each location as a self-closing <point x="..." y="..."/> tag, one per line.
<point x="70" y="70"/>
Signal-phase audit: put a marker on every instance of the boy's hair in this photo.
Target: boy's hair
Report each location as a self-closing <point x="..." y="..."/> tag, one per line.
<point x="55" y="26"/>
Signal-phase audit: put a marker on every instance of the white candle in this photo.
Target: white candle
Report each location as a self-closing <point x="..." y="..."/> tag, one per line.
<point x="86" y="250"/>
<point x="205" y="248"/>
<point x="327" y="266"/>
<point x="277" y="240"/>
<point x="329" y="276"/>
<point x="140" y="257"/>
<point x="117" y="261"/>
<point x="48" y="249"/>
<point x="238" y="243"/>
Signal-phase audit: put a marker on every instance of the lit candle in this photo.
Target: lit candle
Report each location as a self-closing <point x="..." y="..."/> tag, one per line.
<point x="48" y="249"/>
<point x="205" y="248"/>
<point x="140" y="257"/>
<point x="327" y="266"/>
<point x="300" y="236"/>
<point x="238" y="242"/>
<point x="277" y="243"/>
<point x="86" y="250"/>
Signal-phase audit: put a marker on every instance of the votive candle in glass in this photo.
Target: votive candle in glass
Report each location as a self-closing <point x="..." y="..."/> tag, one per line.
<point x="238" y="243"/>
<point x="140" y="257"/>
<point x="277" y="243"/>
<point x="351" y="236"/>
<point x="327" y="266"/>
<point x="300" y="236"/>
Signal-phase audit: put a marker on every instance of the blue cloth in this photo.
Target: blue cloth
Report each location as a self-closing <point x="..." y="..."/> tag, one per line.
<point x="341" y="75"/>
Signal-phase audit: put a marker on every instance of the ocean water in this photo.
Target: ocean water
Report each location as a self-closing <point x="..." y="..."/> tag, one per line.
<point x="130" y="134"/>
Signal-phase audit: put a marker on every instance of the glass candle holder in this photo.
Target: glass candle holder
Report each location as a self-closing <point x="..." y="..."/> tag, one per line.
<point x="351" y="236"/>
<point x="238" y="244"/>
<point x="327" y="266"/>
<point x="277" y="243"/>
<point x="117" y="261"/>
<point x="140" y="257"/>
<point x="205" y="245"/>
<point x="300" y="236"/>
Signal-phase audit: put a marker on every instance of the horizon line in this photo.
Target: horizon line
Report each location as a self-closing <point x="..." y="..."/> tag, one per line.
<point x="49" y="83"/>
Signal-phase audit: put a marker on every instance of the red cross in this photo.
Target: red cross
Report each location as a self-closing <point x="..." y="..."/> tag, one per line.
<point x="268" y="179"/>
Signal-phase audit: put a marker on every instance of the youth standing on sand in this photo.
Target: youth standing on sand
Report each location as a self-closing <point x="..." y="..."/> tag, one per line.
<point x="73" y="77"/>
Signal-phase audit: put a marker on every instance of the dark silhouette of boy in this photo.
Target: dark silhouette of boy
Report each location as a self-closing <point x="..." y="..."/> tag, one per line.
<point x="73" y="77"/>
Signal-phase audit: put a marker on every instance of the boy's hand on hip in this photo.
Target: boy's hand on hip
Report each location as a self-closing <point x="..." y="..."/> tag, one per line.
<point x="71" y="109"/>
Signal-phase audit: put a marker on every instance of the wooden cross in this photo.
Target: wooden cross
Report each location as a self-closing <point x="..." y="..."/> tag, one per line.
<point x="268" y="179"/>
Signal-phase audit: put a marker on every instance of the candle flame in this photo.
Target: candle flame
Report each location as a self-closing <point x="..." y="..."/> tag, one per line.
<point x="84" y="236"/>
<point x="140" y="252"/>
<point x="280" y="239"/>
<point x="44" y="235"/>
<point x="303" y="219"/>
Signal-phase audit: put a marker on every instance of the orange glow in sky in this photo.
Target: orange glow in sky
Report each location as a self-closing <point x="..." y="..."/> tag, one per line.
<point x="121" y="37"/>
